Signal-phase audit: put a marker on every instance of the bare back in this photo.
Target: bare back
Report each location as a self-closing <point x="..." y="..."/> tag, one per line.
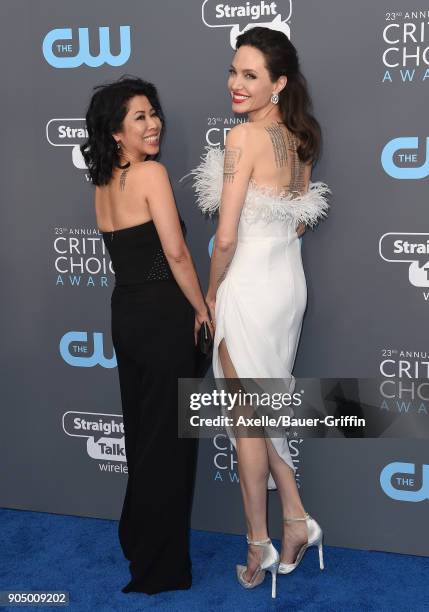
<point x="276" y="161"/>
<point x="123" y="202"/>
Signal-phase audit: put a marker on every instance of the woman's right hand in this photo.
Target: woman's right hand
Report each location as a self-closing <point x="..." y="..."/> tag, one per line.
<point x="211" y="305"/>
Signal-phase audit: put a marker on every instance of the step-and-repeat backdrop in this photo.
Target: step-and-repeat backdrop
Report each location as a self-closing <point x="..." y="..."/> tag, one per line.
<point x="367" y="269"/>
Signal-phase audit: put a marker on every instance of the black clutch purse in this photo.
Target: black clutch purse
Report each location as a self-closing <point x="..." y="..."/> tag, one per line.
<point x="204" y="350"/>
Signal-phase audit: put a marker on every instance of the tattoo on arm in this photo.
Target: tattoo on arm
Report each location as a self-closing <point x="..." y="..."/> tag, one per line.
<point x="222" y="276"/>
<point x="279" y="144"/>
<point x="232" y="157"/>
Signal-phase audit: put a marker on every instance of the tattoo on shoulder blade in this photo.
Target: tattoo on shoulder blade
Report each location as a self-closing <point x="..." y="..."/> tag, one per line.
<point x="232" y="157"/>
<point x="279" y="144"/>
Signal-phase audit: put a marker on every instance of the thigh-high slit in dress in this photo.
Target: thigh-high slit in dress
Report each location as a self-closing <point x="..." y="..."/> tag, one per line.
<point x="261" y="301"/>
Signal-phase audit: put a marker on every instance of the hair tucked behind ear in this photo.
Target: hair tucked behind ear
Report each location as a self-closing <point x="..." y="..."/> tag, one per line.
<point x="281" y="59"/>
<point x="104" y="117"/>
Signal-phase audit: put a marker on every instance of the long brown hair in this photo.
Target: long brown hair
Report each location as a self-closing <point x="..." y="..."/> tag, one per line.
<point x="281" y="59"/>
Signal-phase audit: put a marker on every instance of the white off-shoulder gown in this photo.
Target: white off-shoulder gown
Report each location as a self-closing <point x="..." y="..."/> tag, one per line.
<point x="261" y="301"/>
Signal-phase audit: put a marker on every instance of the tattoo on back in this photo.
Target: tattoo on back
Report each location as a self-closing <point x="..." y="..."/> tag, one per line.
<point x="297" y="170"/>
<point x="279" y="144"/>
<point x="285" y="145"/>
<point x="232" y="157"/>
<point x="122" y="179"/>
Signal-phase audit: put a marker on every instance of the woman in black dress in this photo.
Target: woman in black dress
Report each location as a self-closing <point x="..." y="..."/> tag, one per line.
<point x="157" y="310"/>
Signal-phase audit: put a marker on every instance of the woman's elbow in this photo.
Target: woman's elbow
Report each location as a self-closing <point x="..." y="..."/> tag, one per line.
<point x="178" y="255"/>
<point x="225" y="244"/>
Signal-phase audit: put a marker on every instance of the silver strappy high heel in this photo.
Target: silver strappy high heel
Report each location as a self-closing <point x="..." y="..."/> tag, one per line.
<point x="269" y="562"/>
<point x="315" y="537"/>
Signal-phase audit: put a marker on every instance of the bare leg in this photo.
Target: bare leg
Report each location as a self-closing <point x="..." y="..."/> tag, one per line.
<point x="253" y="471"/>
<point x="256" y="458"/>
<point x="294" y="534"/>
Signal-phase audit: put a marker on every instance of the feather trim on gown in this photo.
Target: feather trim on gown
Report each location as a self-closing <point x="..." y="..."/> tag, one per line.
<point x="262" y="203"/>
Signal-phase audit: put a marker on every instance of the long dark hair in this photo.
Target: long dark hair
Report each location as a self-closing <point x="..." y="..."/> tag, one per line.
<point x="281" y="59"/>
<point x="106" y="112"/>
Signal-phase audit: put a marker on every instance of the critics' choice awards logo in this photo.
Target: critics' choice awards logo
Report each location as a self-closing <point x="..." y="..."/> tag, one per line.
<point x="241" y="16"/>
<point x="404" y="389"/>
<point x="412" y="249"/>
<point x="68" y="133"/>
<point x="83" y="350"/>
<point x="70" y="48"/>
<point x="104" y="435"/>
<point x="225" y="459"/>
<point x="218" y="128"/>
<point x="405" y="481"/>
<point x="406" y="158"/>
<point x="405" y="54"/>
<point x="80" y="258"/>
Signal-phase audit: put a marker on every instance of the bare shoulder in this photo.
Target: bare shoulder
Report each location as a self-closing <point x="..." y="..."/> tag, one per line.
<point x="241" y="139"/>
<point x="151" y="169"/>
<point x="238" y="135"/>
<point x="149" y="177"/>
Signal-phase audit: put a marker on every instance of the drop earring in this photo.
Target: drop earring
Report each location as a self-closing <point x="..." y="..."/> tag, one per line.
<point x="124" y="167"/>
<point x="127" y="164"/>
<point x="275" y="98"/>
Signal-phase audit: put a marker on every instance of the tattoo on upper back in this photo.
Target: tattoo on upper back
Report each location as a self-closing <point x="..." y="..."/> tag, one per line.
<point x="232" y="157"/>
<point x="124" y="167"/>
<point x="122" y="179"/>
<point x="285" y="145"/>
<point x="279" y="144"/>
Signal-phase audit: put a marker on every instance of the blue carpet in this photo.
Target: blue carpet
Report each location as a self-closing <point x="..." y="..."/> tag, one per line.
<point x="82" y="556"/>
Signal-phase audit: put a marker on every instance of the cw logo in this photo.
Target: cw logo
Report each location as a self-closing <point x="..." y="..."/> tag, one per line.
<point x="51" y="47"/>
<point x="74" y="350"/>
<point x="398" y="150"/>
<point x="396" y="471"/>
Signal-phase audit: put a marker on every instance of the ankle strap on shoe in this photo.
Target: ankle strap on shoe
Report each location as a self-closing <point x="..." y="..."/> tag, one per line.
<point x="258" y="542"/>
<point x="292" y="519"/>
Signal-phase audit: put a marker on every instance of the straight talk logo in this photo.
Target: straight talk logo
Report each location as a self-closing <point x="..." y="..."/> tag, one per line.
<point x="69" y="132"/>
<point x="104" y="435"/>
<point x="411" y="248"/>
<point x="241" y="16"/>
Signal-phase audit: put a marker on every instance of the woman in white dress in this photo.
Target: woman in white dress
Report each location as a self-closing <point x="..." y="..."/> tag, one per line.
<point x="257" y="293"/>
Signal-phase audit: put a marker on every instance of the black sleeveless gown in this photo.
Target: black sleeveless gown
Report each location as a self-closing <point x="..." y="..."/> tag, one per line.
<point x="153" y="337"/>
